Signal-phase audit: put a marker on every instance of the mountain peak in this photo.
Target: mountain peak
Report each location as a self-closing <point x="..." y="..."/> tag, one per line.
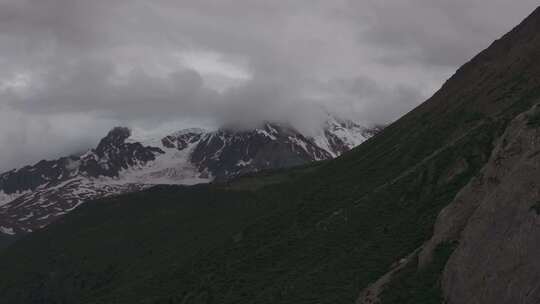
<point x="115" y="137"/>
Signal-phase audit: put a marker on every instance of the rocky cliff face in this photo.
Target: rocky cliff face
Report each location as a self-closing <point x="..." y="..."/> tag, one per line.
<point x="113" y="154"/>
<point x="496" y="222"/>
<point x="493" y="224"/>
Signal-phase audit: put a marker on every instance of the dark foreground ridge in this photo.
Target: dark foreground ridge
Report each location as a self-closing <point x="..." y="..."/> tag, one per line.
<point x="362" y="224"/>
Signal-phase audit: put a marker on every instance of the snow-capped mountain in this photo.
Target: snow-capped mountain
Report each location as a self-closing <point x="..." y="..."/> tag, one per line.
<point x="33" y="196"/>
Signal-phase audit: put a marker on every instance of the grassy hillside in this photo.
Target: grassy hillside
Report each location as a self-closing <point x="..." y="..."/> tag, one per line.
<point x="317" y="234"/>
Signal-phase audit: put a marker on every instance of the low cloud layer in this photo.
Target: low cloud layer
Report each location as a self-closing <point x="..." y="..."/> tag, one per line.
<point x="72" y="69"/>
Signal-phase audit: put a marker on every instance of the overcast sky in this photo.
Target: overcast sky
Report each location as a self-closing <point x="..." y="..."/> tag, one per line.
<point x="72" y="69"/>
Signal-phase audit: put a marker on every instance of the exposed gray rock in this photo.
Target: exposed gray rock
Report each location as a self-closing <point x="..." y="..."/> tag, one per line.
<point x="496" y="221"/>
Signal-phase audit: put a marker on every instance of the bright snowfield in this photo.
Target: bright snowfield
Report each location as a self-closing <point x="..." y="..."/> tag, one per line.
<point x="6" y="198"/>
<point x="171" y="168"/>
<point x="26" y="211"/>
<point x="353" y="135"/>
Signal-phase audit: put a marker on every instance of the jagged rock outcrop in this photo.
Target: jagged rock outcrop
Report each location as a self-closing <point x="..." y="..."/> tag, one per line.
<point x="113" y="154"/>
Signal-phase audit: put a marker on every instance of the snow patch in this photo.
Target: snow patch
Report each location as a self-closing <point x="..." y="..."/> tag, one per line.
<point x="265" y="133"/>
<point x="299" y="142"/>
<point x="6" y="230"/>
<point x="243" y="163"/>
<point x="8" y="198"/>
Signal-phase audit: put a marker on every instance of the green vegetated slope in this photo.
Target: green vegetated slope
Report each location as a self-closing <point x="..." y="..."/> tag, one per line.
<point x="317" y="234"/>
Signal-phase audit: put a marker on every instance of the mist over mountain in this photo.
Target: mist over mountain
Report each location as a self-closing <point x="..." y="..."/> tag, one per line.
<point x="73" y="69"/>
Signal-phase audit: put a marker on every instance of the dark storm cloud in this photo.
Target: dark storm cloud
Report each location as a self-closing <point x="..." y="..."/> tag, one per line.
<point x="73" y="68"/>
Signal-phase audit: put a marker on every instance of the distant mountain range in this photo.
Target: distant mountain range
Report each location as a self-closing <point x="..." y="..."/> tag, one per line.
<point x="34" y="196"/>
